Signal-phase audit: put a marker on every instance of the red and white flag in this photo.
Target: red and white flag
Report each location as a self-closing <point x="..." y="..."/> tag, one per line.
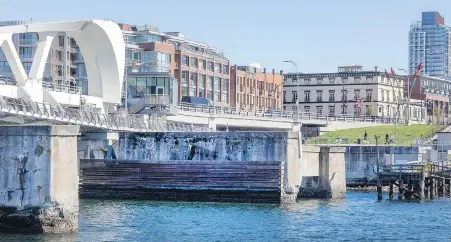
<point x="386" y="74"/>
<point x="392" y="71"/>
<point x="420" y="67"/>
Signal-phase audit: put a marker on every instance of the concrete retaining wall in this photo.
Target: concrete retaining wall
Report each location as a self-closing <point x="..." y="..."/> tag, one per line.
<point x="361" y="161"/>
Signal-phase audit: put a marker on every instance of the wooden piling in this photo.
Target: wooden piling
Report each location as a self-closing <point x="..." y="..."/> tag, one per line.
<point x="401" y="190"/>
<point x="431" y="189"/>
<point x="449" y="187"/>
<point x="442" y="188"/>
<point x="436" y="187"/>
<point x="422" y="184"/>
<point x="379" y="190"/>
<point x="390" y="191"/>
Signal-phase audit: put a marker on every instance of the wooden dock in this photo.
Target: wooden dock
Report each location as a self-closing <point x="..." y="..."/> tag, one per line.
<point x="415" y="181"/>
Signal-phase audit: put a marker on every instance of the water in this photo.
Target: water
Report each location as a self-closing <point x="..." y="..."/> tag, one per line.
<point x="358" y="217"/>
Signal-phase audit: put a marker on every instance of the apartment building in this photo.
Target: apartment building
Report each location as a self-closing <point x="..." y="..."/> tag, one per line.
<point x="201" y="70"/>
<point x="60" y="68"/>
<point x="253" y="87"/>
<point x="350" y="91"/>
<point x="430" y="44"/>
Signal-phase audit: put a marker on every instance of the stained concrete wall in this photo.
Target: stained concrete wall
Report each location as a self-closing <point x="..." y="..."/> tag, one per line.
<point x="222" y="146"/>
<point x="38" y="178"/>
<point x="361" y="161"/>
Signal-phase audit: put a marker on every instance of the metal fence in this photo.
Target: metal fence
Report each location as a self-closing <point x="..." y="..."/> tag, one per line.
<point x="116" y="122"/>
<point x="290" y="114"/>
<point x="346" y="141"/>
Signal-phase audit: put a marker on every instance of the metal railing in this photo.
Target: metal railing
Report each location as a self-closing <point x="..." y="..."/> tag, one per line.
<point x="288" y="114"/>
<point x="116" y="122"/>
<point x="346" y="141"/>
<point x="150" y="99"/>
<point x="61" y="88"/>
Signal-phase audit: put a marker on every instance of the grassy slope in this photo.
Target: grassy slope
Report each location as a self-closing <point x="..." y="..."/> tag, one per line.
<point x="405" y="134"/>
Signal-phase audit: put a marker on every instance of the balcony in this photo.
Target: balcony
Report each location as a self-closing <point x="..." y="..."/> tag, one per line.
<point x="28" y="42"/>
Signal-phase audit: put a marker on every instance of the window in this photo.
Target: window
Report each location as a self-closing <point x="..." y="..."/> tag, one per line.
<point x="165" y="57"/>
<point x="225" y="69"/>
<point x="369" y="79"/>
<point x="203" y="64"/>
<point x="284" y="95"/>
<point x="217" y="88"/>
<point x="357" y="79"/>
<point x="319" y="96"/>
<point x="307" y="109"/>
<point x="306" y="96"/>
<point x="210" y="66"/>
<point x="382" y="96"/>
<point x="218" y="67"/>
<point x="210" y="87"/>
<point x="201" y="86"/>
<point x="185" y="60"/>
<point x="184" y="83"/>
<point x="356" y="110"/>
<point x="319" y="80"/>
<point x="193" y="62"/>
<point x="369" y="94"/>
<point x="294" y="95"/>
<point x="307" y="80"/>
<point x="344" y="80"/>
<point x="331" y="111"/>
<point x="331" y="95"/>
<point x="332" y="80"/>
<point x="193" y="84"/>
<point x="319" y="110"/>
<point x="26" y="52"/>
<point x="294" y="80"/>
<point x="356" y="94"/>
<point x="225" y="91"/>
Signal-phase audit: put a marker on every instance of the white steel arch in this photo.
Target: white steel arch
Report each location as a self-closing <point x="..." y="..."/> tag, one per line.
<point x="101" y="43"/>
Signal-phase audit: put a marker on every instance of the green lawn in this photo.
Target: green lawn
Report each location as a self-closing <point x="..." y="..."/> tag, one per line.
<point x="404" y="134"/>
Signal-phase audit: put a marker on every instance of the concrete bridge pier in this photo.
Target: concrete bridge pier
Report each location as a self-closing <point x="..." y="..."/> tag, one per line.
<point x="38" y="179"/>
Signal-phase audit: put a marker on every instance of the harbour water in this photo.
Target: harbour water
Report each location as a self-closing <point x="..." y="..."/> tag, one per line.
<point x="358" y="217"/>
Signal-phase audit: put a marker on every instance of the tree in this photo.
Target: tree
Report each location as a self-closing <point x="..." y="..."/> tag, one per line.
<point x="369" y="110"/>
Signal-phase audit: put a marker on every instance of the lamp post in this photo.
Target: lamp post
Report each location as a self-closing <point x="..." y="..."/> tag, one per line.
<point x="274" y="94"/>
<point x="297" y="86"/>
<point x="408" y="97"/>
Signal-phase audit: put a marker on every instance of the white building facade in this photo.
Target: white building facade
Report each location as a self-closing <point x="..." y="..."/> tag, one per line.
<point x="351" y="93"/>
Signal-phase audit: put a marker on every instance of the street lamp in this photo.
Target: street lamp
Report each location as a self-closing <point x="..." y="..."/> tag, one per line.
<point x="408" y="96"/>
<point x="297" y="86"/>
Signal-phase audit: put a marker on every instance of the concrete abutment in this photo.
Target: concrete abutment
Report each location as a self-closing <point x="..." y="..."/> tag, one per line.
<point x="38" y="179"/>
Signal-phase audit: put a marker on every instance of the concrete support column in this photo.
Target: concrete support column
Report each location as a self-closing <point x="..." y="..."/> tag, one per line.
<point x="99" y="145"/>
<point x="291" y="178"/>
<point x="39" y="179"/>
<point x="332" y="171"/>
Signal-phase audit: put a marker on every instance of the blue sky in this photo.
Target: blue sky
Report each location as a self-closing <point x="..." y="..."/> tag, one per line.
<point x="318" y="35"/>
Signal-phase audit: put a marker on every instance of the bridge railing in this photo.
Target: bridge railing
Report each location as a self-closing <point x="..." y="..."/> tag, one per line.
<point x="288" y="114"/>
<point x="62" y="88"/>
<point x="117" y="122"/>
<point x="346" y="141"/>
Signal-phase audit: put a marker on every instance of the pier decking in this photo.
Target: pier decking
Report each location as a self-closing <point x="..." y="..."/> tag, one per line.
<point x="415" y="181"/>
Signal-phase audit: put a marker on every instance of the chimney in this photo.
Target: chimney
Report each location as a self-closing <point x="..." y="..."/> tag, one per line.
<point x="273" y="71"/>
<point x="264" y="70"/>
<point x="281" y="72"/>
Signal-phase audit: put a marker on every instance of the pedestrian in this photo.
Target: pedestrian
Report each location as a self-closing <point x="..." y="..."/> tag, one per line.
<point x="386" y="138"/>
<point x="365" y="136"/>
